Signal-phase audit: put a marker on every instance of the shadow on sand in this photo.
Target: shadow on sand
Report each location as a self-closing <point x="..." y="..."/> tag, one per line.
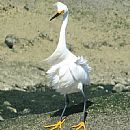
<point x="28" y="102"/>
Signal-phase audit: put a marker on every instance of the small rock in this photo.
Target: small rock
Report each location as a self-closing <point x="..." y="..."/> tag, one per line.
<point x="6" y="103"/>
<point x="10" y="40"/>
<point x="89" y="45"/>
<point x="12" y="109"/>
<point x="127" y="88"/>
<point x="23" y="42"/>
<point x="17" y="43"/>
<point x="1" y="118"/>
<point x="119" y="87"/>
<point x="45" y="35"/>
<point x="106" y="91"/>
<point x="26" y="111"/>
<point x="30" y="5"/>
<point x="101" y="87"/>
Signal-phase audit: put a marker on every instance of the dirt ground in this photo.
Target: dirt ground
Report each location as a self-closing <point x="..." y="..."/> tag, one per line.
<point x="97" y="30"/>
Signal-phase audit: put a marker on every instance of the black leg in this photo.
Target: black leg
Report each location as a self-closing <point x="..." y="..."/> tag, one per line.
<point x="84" y="108"/>
<point x="66" y="104"/>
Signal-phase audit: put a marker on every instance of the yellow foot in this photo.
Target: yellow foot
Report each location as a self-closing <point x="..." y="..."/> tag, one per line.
<point x="80" y="126"/>
<point x="55" y="126"/>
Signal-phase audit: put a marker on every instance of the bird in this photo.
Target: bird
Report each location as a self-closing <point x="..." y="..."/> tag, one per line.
<point x="68" y="73"/>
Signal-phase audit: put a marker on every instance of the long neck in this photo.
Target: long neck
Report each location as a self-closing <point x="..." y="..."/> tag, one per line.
<point x="62" y="38"/>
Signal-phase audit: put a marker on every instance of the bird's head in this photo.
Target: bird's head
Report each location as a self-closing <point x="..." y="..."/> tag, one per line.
<point x="61" y="9"/>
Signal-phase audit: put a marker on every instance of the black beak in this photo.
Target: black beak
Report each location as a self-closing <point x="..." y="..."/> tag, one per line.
<point x="56" y="15"/>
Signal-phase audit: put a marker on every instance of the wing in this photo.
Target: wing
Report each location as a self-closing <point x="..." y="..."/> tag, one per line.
<point x="60" y="75"/>
<point x="57" y="57"/>
<point x="53" y="75"/>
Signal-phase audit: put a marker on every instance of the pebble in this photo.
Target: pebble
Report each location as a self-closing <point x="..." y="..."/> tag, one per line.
<point x="12" y="109"/>
<point x="30" y="5"/>
<point x="45" y="35"/>
<point x="119" y="87"/>
<point x="1" y="118"/>
<point x="26" y="111"/>
<point x="10" y="40"/>
<point x="127" y="88"/>
<point x="100" y="87"/>
<point x="6" y="103"/>
<point x="106" y="91"/>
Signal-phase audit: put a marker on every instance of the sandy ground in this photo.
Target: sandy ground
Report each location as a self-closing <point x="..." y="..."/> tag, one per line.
<point x="97" y="30"/>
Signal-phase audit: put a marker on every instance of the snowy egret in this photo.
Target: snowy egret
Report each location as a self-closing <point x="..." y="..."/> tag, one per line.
<point x="68" y="73"/>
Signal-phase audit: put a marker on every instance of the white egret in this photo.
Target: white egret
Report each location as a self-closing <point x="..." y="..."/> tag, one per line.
<point x="68" y="72"/>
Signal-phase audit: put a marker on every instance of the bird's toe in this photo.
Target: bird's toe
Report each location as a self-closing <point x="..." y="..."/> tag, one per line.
<point x="79" y="126"/>
<point x="56" y="125"/>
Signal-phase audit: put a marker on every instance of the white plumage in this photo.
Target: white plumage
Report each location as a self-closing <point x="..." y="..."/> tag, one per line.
<point x="68" y="73"/>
